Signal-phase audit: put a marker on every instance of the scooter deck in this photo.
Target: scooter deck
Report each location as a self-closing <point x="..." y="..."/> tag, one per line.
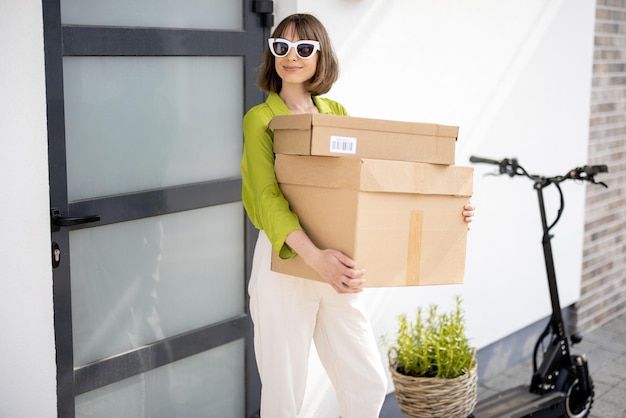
<point x="518" y="402"/>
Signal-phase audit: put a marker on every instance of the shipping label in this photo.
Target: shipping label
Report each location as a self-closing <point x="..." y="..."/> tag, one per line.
<point x="343" y="144"/>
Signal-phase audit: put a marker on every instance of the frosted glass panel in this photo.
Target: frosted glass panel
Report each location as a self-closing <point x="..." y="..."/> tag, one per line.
<point x="139" y="123"/>
<point x="195" y="14"/>
<point x="207" y="385"/>
<point x="137" y="282"/>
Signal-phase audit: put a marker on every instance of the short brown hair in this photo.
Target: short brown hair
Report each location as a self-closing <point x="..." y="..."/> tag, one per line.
<point x="307" y="27"/>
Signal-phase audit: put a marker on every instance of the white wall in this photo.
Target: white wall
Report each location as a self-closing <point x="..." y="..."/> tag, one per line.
<point x="515" y="77"/>
<point x="27" y="362"/>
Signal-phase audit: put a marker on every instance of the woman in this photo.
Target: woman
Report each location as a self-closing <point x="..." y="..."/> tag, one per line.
<point x="290" y="312"/>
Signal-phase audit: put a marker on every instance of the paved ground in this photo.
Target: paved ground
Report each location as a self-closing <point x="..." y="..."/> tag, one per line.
<point x="605" y="348"/>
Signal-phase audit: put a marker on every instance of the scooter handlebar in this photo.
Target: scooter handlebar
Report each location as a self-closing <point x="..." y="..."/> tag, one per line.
<point x="512" y="168"/>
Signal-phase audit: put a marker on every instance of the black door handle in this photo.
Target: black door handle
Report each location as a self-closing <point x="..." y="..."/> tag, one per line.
<point x="57" y="221"/>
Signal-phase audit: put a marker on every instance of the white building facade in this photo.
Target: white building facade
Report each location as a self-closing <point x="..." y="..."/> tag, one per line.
<point x="515" y="77"/>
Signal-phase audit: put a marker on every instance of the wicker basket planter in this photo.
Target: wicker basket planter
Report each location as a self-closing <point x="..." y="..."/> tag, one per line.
<point x="433" y="365"/>
<point x="432" y="397"/>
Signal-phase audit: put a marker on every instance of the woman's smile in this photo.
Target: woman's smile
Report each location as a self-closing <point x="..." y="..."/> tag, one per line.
<point x="292" y="67"/>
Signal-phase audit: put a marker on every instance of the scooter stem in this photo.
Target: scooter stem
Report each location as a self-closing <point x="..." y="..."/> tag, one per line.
<point x="557" y="317"/>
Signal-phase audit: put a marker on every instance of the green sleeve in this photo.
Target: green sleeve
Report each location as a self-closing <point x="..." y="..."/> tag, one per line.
<point x="265" y="204"/>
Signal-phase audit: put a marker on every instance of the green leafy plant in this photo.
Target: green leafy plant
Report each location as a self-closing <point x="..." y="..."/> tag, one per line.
<point x="434" y="345"/>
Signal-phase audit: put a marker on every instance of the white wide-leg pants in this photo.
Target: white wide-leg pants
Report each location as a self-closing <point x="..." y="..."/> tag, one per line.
<point x="288" y="313"/>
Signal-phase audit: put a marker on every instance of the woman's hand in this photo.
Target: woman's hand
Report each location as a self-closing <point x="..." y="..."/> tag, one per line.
<point x="468" y="212"/>
<point x="339" y="271"/>
<point x="336" y="268"/>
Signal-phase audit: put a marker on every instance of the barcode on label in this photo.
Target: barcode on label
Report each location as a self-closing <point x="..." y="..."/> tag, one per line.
<point x="343" y="144"/>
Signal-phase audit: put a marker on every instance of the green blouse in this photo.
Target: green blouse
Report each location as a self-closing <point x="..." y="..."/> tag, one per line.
<point x="265" y="204"/>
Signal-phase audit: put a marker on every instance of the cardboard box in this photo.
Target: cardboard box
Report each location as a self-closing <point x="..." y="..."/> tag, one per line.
<point x="331" y="135"/>
<point x="401" y="221"/>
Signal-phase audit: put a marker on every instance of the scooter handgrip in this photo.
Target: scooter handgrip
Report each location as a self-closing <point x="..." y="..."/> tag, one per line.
<point x="475" y="159"/>
<point x="592" y="170"/>
<point x="602" y="168"/>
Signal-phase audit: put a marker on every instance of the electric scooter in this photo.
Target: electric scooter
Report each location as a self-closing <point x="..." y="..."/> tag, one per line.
<point x="561" y="385"/>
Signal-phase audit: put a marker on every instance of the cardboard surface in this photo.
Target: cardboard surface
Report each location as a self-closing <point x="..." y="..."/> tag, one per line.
<point x="400" y="221"/>
<point x="372" y="175"/>
<point x="331" y="135"/>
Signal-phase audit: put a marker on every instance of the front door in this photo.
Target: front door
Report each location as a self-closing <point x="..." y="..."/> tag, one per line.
<point x="150" y="244"/>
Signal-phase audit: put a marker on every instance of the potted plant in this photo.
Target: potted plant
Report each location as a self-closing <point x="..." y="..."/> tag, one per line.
<point x="433" y="365"/>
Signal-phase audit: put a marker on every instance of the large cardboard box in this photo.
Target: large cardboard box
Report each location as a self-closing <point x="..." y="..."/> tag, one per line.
<point x="401" y="221"/>
<point x="331" y="135"/>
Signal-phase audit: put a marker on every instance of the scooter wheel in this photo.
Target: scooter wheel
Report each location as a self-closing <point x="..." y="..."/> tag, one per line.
<point x="577" y="402"/>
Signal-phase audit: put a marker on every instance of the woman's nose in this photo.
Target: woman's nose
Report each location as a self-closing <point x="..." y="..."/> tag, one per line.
<point x="292" y="54"/>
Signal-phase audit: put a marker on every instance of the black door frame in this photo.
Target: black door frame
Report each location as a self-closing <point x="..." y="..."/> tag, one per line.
<point x="64" y="40"/>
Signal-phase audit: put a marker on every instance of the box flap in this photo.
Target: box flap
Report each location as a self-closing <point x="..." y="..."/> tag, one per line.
<point x="411" y="177"/>
<point x="374" y="175"/>
<point x="299" y="122"/>
<point x="305" y="122"/>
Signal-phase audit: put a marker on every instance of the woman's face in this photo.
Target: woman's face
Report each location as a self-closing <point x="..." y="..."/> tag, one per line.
<point x="292" y="69"/>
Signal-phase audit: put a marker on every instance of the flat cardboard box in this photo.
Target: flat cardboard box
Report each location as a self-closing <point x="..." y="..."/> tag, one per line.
<point x="346" y="136"/>
<point x="400" y="221"/>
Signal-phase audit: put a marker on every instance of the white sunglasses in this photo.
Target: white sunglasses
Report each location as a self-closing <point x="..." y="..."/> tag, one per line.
<point x="304" y="49"/>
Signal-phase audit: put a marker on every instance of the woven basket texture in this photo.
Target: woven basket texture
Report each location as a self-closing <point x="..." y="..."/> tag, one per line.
<point x="431" y="397"/>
